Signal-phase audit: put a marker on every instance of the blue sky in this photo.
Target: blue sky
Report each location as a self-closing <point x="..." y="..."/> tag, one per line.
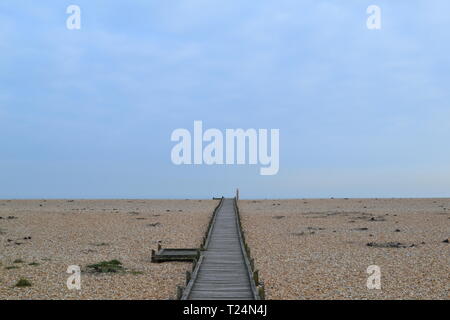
<point x="89" y="113"/>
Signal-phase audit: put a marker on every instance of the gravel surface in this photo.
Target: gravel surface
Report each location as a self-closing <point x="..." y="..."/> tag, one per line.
<point x="320" y="249"/>
<point x="51" y="235"/>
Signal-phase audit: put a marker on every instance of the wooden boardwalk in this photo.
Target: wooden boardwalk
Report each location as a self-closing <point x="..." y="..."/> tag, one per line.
<point x="223" y="272"/>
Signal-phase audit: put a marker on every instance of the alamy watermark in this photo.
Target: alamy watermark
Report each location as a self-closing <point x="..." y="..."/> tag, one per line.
<point x="374" y="20"/>
<point x="374" y="280"/>
<point x="74" y="281"/>
<point x="241" y="147"/>
<point x="73" y="22"/>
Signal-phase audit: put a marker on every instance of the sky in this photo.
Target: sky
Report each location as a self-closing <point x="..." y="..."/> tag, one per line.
<point x="89" y="113"/>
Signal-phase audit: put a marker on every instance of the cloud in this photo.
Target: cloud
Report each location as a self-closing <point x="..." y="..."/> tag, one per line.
<point x="343" y="96"/>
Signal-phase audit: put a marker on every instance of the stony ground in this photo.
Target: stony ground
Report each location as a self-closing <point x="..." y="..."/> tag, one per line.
<point x="321" y="249"/>
<point x="39" y="239"/>
<point x="304" y="249"/>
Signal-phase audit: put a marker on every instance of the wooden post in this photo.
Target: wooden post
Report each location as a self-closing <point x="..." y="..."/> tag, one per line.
<point x="256" y="277"/>
<point x="188" y="277"/>
<point x="153" y="256"/>
<point x="159" y="245"/>
<point x="179" y="292"/>
<point x="261" y="293"/>
<point x="237" y="194"/>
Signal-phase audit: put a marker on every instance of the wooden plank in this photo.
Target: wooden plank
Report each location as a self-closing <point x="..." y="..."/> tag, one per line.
<point x="223" y="272"/>
<point x="182" y="254"/>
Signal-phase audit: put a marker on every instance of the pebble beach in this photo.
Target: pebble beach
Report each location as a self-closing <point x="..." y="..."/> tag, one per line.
<point x="303" y="248"/>
<point x="39" y="239"/>
<point x="321" y="249"/>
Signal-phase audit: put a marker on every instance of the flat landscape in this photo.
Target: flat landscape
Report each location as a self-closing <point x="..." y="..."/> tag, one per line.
<point x="320" y="249"/>
<point x="39" y="239"/>
<point x="303" y="248"/>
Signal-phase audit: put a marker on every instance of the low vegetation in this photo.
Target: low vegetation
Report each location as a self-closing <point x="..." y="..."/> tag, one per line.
<point x="136" y="273"/>
<point x="106" y="267"/>
<point x="23" y="283"/>
<point x="11" y="267"/>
